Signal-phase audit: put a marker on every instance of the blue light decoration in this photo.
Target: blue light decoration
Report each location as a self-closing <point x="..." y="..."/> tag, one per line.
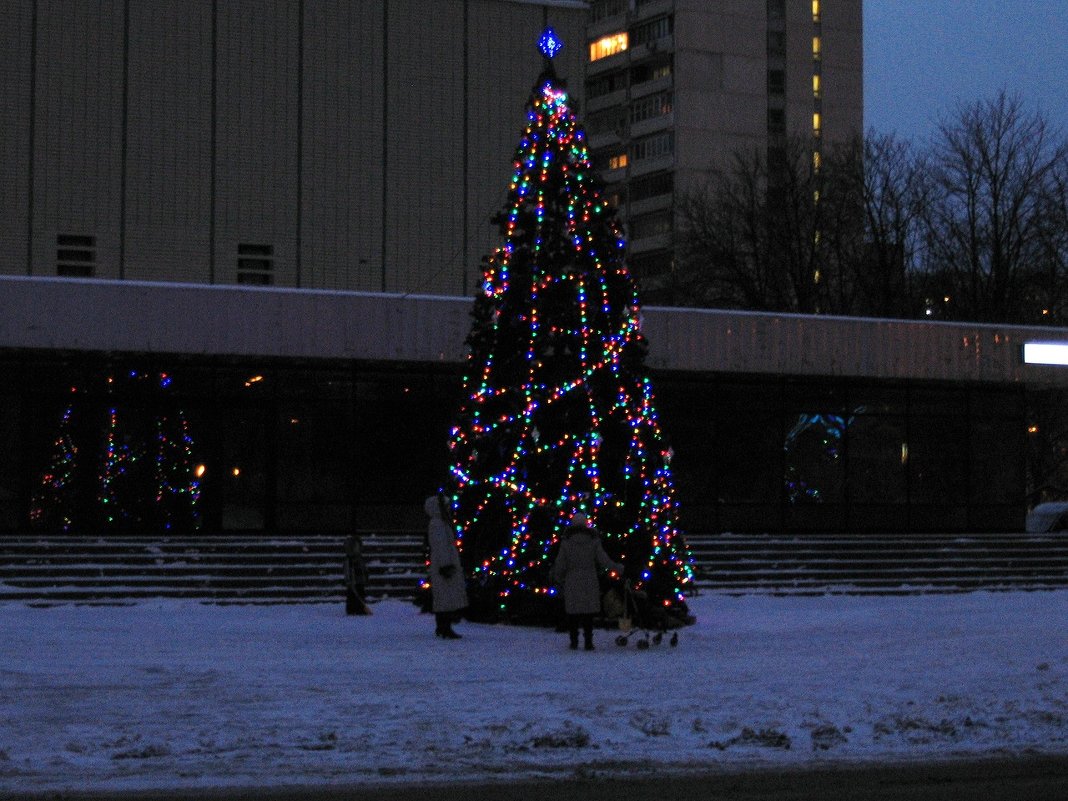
<point x="811" y="447"/>
<point x="558" y="416"/>
<point x="549" y="43"/>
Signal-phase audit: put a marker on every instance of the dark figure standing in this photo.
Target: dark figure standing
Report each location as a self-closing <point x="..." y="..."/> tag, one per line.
<point x="447" y="589"/>
<point x="581" y="556"/>
<point x="355" y="578"/>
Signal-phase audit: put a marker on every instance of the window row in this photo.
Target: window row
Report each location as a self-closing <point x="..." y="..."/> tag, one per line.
<point x="652" y="147"/>
<point x="659" y="145"/>
<point x="618" y="80"/>
<point x="642" y="33"/>
<point x="661" y="183"/>
<point x="651" y="106"/>
<point x="602" y="9"/>
<point x="650" y="225"/>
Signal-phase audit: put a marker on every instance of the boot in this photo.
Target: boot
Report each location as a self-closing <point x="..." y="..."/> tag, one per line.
<point x="444" y="627"/>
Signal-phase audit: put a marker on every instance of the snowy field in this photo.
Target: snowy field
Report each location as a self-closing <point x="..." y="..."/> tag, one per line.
<point x="178" y="694"/>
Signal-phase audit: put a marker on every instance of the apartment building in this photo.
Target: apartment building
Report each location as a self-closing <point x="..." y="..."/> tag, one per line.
<point x="675" y="88"/>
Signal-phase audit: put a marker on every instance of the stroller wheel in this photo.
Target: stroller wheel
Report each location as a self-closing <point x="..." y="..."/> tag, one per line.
<point x="643" y="644"/>
<point x="621" y="640"/>
<point x="674" y="639"/>
<point x="658" y="637"/>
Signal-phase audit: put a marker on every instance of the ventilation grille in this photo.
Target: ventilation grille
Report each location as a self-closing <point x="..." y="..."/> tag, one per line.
<point x="75" y="255"/>
<point x="255" y="264"/>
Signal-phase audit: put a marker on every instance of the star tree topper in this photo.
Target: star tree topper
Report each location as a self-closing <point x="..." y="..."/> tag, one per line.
<point x="549" y="43"/>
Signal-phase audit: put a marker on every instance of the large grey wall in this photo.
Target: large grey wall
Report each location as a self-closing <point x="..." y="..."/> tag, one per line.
<point x="367" y="143"/>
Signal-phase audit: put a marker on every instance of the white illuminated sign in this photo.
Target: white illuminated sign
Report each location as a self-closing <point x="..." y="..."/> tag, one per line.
<point x="1045" y="353"/>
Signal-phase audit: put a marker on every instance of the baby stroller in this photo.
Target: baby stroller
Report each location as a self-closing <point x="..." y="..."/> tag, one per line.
<point x="637" y="622"/>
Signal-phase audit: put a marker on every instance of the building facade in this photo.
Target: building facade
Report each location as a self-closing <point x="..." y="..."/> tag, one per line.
<point x="366" y="146"/>
<point x="242" y="198"/>
<point x="323" y="411"/>
<point x="676" y="88"/>
<point x="305" y="143"/>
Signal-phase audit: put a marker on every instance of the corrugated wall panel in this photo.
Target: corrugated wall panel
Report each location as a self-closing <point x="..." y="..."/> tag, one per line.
<point x="748" y="342"/>
<point x="168" y="186"/>
<point x="424" y="201"/>
<point x="256" y="156"/>
<point x="342" y="174"/>
<point x="158" y="317"/>
<point x="15" y="43"/>
<point x="78" y="129"/>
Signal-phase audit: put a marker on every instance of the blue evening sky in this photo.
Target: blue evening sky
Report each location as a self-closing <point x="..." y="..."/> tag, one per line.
<point x="921" y="57"/>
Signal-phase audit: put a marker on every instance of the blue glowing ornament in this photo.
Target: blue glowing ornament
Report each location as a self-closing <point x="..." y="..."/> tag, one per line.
<point x="549" y="43"/>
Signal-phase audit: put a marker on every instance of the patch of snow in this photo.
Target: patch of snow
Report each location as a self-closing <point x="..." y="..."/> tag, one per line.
<point x="170" y="693"/>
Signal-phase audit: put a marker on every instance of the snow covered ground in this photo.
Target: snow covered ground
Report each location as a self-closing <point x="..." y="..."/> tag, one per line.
<point x="173" y="694"/>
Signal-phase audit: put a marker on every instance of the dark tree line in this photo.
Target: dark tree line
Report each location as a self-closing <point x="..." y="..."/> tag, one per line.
<point x="970" y="226"/>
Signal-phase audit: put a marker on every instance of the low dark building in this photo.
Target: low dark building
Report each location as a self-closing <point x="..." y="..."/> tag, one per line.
<point x="317" y="411"/>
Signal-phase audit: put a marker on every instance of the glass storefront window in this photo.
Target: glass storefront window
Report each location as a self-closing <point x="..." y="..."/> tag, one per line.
<point x="749" y="447"/>
<point x="304" y="446"/>
<point x="814" y="457"/>
<point x="997" y="474"/>
<point x="878" y="456"/>
<point x="938" y="460"/>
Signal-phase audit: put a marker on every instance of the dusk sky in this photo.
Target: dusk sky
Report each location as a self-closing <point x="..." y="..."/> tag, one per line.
<point x="923" y="56"/>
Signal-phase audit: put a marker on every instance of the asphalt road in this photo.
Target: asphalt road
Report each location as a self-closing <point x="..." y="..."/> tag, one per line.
<point x="1038" y="778"/>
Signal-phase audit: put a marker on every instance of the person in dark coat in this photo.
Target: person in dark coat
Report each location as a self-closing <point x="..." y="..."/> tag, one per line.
<point x="575" y="571"/>
<point x="447" y="590"/>
<point x="355" y="578"/>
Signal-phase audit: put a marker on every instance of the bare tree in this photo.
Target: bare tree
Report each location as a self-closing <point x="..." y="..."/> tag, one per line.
<point x="1049" y="285"/>
<point x="754" y="236"/>
<point x="972" y="227"/>
<point x="894" y="196"/>
<point x="990" y="232"/>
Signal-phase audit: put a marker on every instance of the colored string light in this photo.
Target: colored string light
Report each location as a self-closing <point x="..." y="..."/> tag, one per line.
<point x="143" y="469"/>
<point x="558" y="415"/>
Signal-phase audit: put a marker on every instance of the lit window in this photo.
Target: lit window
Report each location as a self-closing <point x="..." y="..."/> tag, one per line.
<point x="608" y="46"/>
<point x="815" y="47"/>
<point x="815" y="10"/>
<point x="816" y="122"/>
<point x="816" y="88"/>
<point x="817" y="160"/>
<point x="617" y="162"/>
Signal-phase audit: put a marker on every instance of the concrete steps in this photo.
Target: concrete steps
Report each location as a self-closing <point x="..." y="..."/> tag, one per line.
<point x="884" y="564"/>
<point x="310" y="569"/>
<point x="222" y="569"/>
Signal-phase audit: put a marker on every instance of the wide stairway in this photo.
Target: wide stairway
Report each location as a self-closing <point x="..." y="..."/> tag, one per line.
<point x="220" y="569"/>
<point x="310" y="569"/>
<point x="885" y="564"/>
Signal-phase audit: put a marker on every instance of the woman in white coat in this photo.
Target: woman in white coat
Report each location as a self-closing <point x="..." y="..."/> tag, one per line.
<point x="447" y="590"/>
<point x="575" y="571"/>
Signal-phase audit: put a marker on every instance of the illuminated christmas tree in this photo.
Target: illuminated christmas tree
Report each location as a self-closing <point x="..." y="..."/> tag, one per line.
<point x="122" y="462"/>
<point x="55" y="502"/>
<point x="558" y="414"/>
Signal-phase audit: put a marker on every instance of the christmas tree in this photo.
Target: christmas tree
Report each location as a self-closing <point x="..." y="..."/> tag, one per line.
<point x="558" y="415"/>
<point x="122" y="462"/>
